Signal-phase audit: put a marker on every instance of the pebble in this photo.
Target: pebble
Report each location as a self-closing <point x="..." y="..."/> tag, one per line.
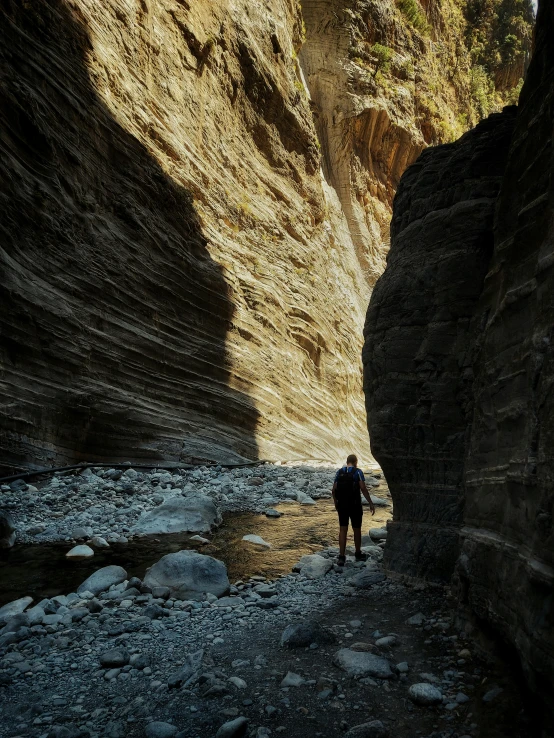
<point x="424" y="694"/>
<point x="160" y="730"/>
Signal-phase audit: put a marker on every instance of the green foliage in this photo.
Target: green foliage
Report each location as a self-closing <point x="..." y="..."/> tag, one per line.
<point x="499" y="32"/>
<point x="383" y="55"/>
<point x="412" y="11"/>
<point x="482" y="91"/>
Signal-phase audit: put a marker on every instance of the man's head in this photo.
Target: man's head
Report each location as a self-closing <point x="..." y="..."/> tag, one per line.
<point x="352" y="460"/>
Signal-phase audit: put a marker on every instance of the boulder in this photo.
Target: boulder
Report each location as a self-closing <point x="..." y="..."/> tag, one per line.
<point x="233" y="729"/>
<point x="7" y="530"/>
<point x="160" y="729"/>
<point x="103" y="579"/>
<point x="366" y="579"/>
<point x="362" y="664"/>
<point x="304" y="499"/>
<point x="14" y="608"/>
<point x="378" y="534"/>
<point x="80" y="552"/>
<point x="115" y="657"/>
<point x="313" y="566"/>
<point x="425" y="694"/>
<point x="300" y="635"/>
<point x="196" y="514"/>
<point x="189" y="575"/>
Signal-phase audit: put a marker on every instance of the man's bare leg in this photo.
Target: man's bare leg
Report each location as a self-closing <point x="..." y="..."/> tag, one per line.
<point x="357" y="539"/>
<point x="343" y="532"/>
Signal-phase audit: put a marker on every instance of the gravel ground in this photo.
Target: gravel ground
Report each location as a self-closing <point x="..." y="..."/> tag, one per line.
<point x="54" y="683"/>
<point x="131" y="661"/>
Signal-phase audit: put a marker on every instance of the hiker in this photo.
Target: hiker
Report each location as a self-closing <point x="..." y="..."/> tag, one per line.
<point x="346" y="495"/>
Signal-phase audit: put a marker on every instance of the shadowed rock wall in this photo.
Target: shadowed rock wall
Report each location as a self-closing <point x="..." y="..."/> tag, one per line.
<point x="173" y="282"/>
<point x="459" y="367"/>
<point x="417" y="352"/>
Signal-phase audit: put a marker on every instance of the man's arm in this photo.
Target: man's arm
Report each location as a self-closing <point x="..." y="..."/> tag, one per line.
<point x="333" y="493"/>
<point x="368" y="498"/>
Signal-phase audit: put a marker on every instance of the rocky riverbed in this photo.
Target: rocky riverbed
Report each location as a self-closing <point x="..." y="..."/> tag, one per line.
<point x="133" y="661"/>
<point x="179" y="650"/>
<point x="109" y="503"/>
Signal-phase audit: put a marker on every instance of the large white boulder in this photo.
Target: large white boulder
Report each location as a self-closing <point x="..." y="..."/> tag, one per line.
<point x="103" y="579"/>
<point x="189" y="575"/>
<point x="196" y="514"/>
<point x="313" y="566"/>
<point x="80" y="552"/>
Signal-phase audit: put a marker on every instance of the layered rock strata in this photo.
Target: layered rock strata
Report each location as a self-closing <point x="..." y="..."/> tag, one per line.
<point x="466" y="404"/>
<point x="418" y="344"/>
<point x="174" y="283"/>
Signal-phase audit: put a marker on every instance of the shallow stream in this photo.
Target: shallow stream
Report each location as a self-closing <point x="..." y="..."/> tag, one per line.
<point x="42" y="570"/>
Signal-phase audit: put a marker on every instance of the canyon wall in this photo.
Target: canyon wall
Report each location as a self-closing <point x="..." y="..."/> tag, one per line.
<point x="458" y="377"/>
<point x="174" y="281"/>
<point x="195" y="200"/>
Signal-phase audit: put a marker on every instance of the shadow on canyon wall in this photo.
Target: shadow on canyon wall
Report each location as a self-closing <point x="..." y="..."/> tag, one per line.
<point x="114" y="316"/>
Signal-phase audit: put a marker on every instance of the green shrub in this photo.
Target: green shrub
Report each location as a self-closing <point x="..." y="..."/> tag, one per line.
<point x="383" y="54"/>
<point x="412" y="11"/>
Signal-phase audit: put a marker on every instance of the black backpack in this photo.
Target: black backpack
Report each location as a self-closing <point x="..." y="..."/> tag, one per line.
<point x="348" y="485"/>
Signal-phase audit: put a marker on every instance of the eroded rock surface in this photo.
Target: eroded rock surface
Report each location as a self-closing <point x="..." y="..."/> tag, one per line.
<point x="459" y="364"/>
<point x="418" y="340"/>
<point x="176" y="293"/>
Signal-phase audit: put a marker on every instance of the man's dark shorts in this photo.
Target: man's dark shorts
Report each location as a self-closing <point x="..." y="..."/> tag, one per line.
<point x="350" y="510"/>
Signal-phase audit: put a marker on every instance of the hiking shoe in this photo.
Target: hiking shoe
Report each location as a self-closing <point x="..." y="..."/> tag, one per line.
<point x="361" y="556"/>
<point x="341" y="561"/>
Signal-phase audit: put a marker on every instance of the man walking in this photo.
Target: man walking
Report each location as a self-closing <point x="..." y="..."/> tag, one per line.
<point x="346" y="495"/>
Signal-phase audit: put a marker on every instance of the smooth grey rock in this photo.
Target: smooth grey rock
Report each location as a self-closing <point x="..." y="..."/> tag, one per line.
<point x="272" y="513"/>
<point x="35" y="615"/>
<point x="366" y="579"/>
<point x="82" y="533"/>
<point x="373" y="729"/>
<point x="304" y="499"/>
<point x="292" y="680"/>
<point x="99" y="542"/>
<point x="16" y="623"/>
<point x="114" y="658"/>
<point x="7" y="529"/>
<point x="492" y="694"/>
<point x="362" y="664"/>
<point x="417" y="619"/>
<point x="159" y="729"/>
<point x="195" y="514"/>
<point x="103" y="579"/>
<point x="80" y="552"/>
<point x="313" y="566"/>
<point x="233" y="729"/>
<point x="386" y="641"/>
<point x="425" y="694"/>
<point x="256" y="540"/>
<point x="14" y="608"/>
<point x="301" y="635"/>
<point x="378" y="534"/>
<point x="189" y="575"/>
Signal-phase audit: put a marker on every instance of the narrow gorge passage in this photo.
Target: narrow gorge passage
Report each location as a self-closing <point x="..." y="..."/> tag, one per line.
<point x="195" y="212"/>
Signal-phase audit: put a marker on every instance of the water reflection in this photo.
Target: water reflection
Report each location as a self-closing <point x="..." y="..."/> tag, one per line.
<point x="43" y="570"/>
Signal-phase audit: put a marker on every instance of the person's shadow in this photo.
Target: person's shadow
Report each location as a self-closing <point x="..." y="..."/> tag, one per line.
<point x="113" y="315"/>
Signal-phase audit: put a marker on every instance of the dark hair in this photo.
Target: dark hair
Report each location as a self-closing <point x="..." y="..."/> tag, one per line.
<point x="352" y="459"/>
